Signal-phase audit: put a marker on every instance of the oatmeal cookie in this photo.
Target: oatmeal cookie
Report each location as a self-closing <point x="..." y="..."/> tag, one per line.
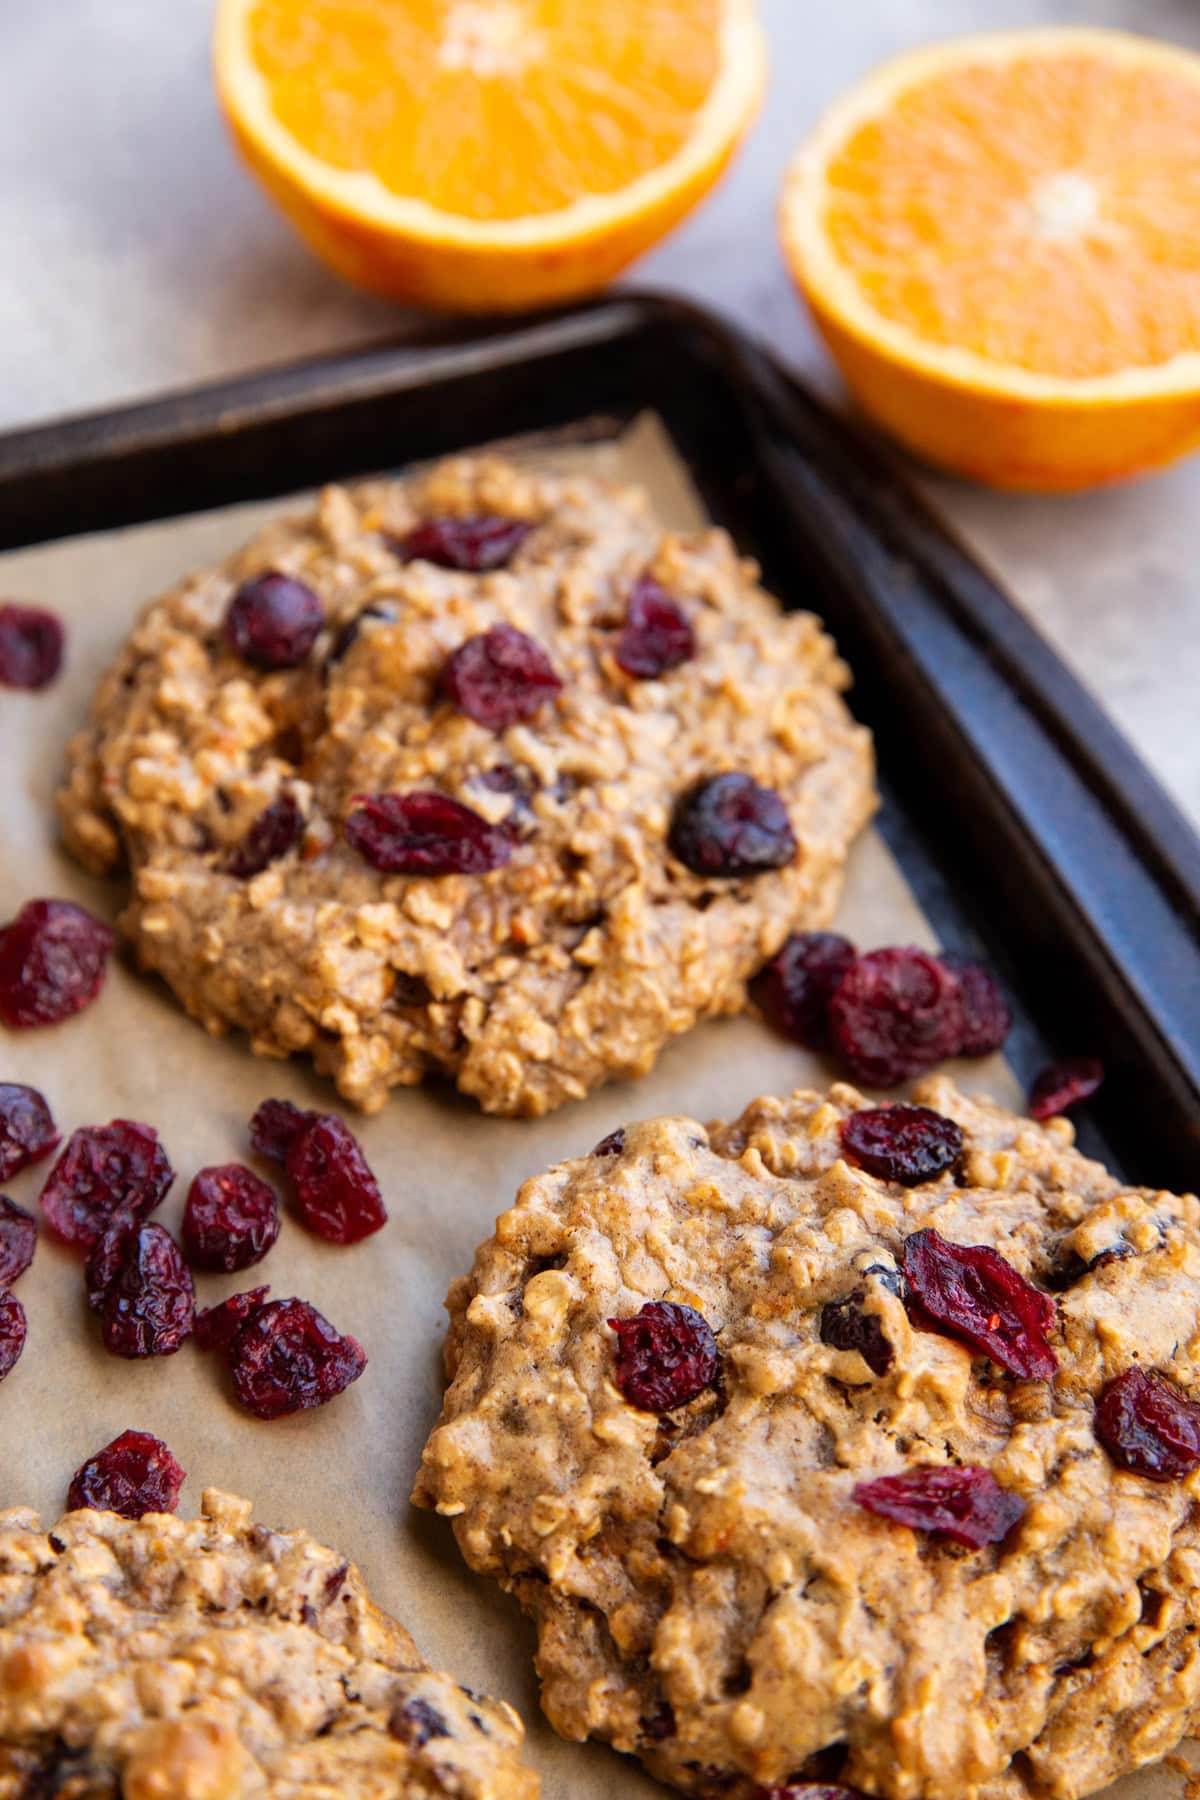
<point x="798" y="1488"/>
<point x="213" y="1659"/>
<point x="483" y="774"/>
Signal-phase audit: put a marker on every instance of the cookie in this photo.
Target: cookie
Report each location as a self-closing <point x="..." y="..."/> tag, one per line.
<point x="905" y="1522"/>
<point x="212" y="1659"/>
<point x="483" y="775"/>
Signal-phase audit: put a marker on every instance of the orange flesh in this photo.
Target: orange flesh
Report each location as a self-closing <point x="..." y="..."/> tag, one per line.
<point x="584" y="98"/>
<point x="1043" y="213"/>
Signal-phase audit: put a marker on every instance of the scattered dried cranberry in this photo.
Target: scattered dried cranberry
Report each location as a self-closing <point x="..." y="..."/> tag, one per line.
<point x="657" y="634"/>
<point x="336" y="1192"/>
<point x="666" y="1355"/>
<point x="845" y="1326"/>
<point x="1149" y="1426"/>
<point x="274" y="1127"/>
<point x="973" y="1293"/>
<point x="499" y="677"/>
<point x="106" y="1258"/>
<point x="105" y="1169"/>
<point x="425" y="833"/>
<point x="217" y="1326"/>
<point x="474" y="545"/>
<point x="230" y="1220"/>
<point x="273" y="621"/>
<point x="53" y="959"/>
<point x="12" y="1332"/>
<point x="287" y="1357"/>
<point x="967" y="1504"/>
<point x="1064" y="1084"/>
<point x="31" y="646"/>
<point x="908" y="1144"/>
<point x="271" y="836"/>
<point x="795" y="987"/>
<point x="730" y="825"/>
<point x="894" y="1013"/>
<point x="150" y="1307"/>
<point x="612" y="1145"/>
<point x="986" y="1018"/>
<point x="18" y="1240"/>
<point x="27" y="1130"/>
<point x="134" y="1475"/>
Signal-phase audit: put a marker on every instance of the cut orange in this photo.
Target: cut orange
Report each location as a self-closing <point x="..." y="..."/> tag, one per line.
<point x="481" y="154"/>
<point x="1000" y="241"/>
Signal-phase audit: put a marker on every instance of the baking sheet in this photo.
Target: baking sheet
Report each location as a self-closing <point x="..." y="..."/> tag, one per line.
<point x="343" y="1472"/>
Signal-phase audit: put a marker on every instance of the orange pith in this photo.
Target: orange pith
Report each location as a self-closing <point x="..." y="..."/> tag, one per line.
<point x="623" y="80"/>
<point x="1044" y="214"/>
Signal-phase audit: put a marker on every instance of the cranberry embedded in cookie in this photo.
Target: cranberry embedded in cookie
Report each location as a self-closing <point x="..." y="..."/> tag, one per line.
<point x="730" y="825"/>
<point x="967" y="1505"/>
<point x="276" y="830"/>
<point x="1149" y="1426"/>
<point x="53" y="960"/>
<point x="908" y="1144"/>
<point x="499" y="678"/>
<point x="971" y="1291"/>
<point x="666" y="1355"/>
<point x="475" y="546"/>
<point x="425" y="834"/>
<point x="273" y="621"/>
<point x="134" y="1475"/>
<point x="657" y="635"/>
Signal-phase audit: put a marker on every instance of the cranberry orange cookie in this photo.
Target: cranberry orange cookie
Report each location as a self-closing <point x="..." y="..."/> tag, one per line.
<point x="213" y="1659"/>
<point x="483" y="775"/>
<point x="841" y="1444"/>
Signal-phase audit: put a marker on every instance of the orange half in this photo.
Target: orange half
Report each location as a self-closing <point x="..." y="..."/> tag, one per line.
<point x="487" y="153"/>
<point x="999" y="238"/>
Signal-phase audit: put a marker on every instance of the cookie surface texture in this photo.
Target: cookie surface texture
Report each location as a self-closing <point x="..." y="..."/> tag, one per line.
<point x="213" y="1659"/>
<point x="710" y="1592"/>
<point x="253" y="755"/>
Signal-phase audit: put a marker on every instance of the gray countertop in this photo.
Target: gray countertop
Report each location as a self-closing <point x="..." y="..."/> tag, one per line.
<point x="136" y="256"/>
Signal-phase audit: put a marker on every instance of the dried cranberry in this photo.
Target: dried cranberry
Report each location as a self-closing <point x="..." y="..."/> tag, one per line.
<point x="730" y="825"/>
<point x="274" y="1127"/>
<point x="986" y="1018"/>
<point x="336" y="1193"/>
<point x="287" y="1357"/>
<point x="53" y="960"/>
<point x="105" y="1169"/>
<point x="657" y="634"/>
<point x="106" y="1258"/>
<point x="612" y="1145"/>
<point x="230" y="1220"/>
<point x="499" y="677"/>
<point x="31" y="646"/>
<point x="425" y="833"/>
<point x="967" y="1505"/>
<point x="475" y="545"/>
<point x="217" y="1326"/>
<point x="807" y="1790"/>
<point x="271" y="836"/>
<point x="134" y="1475"/>
<point x="794" y="988"/>
<point x="1064" y="1084"/>
<point x="18" y="1240"/>
<point x="845" y="1326"/>
<point x="27" y="1130"/>
<point x="973" y="1293"/>
<point x="150" y="1307"/>
<point x="12" y="1332"/>
<point x="273" y="621"/>
<point x="894" y="1013"/>
<point x="658" y="1726"/>
<point x="666" y="1355"/>
<point x="908" y="1144"/>
<point x="415" y="1722"/>
<point x="351" y="631"/>
<point x="1149" y="1426"/>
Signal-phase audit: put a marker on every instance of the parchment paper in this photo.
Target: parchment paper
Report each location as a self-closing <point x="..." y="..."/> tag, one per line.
<point x="343" y="1472"/>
